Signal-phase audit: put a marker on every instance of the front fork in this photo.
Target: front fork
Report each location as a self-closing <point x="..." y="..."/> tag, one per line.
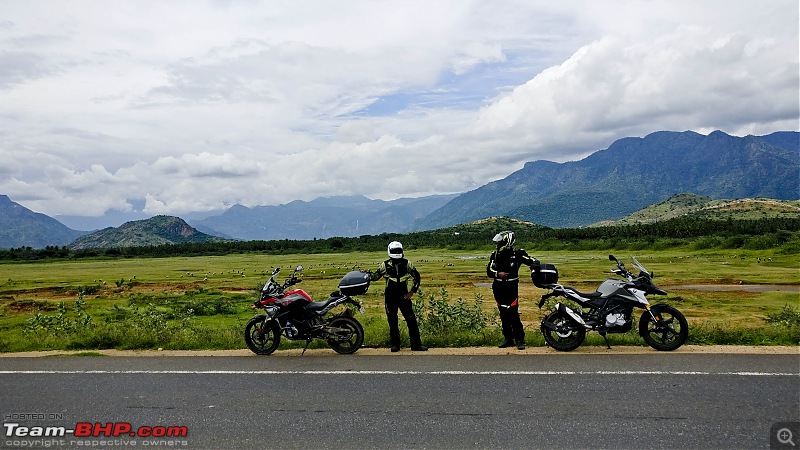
<point x="655" y="316"/>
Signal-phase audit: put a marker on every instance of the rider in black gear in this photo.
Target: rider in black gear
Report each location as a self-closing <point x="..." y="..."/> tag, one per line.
<point x="398" y="271"/>
<point x="503" y="267"/>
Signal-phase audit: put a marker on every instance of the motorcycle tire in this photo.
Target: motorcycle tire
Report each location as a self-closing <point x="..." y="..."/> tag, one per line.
<point x="262" y="339"/>
<point x="567" y="339"/>
<point x="349" y="335"/>
<point x="668" y="333"/>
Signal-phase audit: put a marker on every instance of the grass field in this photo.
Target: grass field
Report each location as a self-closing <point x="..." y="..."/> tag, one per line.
<point x="204" y="302"/>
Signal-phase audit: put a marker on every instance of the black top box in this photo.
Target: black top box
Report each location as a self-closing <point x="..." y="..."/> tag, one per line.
<point x="545" y="276"/>
<point x="355" y="283"/>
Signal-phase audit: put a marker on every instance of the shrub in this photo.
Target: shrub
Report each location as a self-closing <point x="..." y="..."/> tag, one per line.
<point x="438" y="315"/>
<point x="787" y="317"/>
<point x="62" y="322"/>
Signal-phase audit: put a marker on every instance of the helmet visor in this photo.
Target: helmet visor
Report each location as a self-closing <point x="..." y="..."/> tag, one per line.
<point x="395" y="250"/>
<point x="504" y="239"/>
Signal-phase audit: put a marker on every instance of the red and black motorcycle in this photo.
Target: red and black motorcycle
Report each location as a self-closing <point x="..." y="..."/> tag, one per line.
<point x="296" y="316"/>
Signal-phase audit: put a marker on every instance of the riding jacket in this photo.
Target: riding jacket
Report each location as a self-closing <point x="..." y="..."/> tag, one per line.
<point x="398" y="272"/>
<point x="508" y="260"/>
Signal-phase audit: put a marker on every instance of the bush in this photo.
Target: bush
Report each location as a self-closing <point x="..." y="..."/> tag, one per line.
<point x="788" y="317"/>
<point x="209" y="307"/>
<point x="706" y="243"/>
<point x="446" y="324"/>
<point x="704" y="334"/>
<point x="60" y="323"/>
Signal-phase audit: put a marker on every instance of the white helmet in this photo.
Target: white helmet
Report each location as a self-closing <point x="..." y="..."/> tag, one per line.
<point x="395" y="250"/>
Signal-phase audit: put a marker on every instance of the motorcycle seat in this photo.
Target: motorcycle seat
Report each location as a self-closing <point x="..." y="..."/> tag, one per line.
<point x="316" y="306"/>
<point x="593" y="295"/>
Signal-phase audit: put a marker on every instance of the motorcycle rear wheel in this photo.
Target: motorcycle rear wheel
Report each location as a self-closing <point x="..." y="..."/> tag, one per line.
<point x="349" y="335"/>
<point x="262" y="338"/>
<point x="568" y="338"/>
<point x="668" y="333"/>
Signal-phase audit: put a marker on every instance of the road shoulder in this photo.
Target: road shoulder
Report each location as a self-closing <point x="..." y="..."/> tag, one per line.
<point x="463" y="351"/>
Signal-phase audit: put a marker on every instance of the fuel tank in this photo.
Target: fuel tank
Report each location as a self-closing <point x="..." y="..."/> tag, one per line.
<point x="613" y="286"/>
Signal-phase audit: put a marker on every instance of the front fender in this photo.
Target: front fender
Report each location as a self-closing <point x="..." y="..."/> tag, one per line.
<point x="656" y="310"/>
<point x="653" y="315"/>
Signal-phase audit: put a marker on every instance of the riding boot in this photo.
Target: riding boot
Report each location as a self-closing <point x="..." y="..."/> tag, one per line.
<point x="507" y="343"/>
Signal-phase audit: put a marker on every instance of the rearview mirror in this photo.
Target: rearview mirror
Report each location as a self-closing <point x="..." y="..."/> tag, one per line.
<point x="612" y="258"/>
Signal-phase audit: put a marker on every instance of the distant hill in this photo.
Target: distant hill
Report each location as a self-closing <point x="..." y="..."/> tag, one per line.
<point x="21" y="227"/>
<point x="608" y="185"/>
<point x="706" y="208"/>
<point x="158" y="230"/>
<point x="632" y="174"/>
<point x="340" y="216"/>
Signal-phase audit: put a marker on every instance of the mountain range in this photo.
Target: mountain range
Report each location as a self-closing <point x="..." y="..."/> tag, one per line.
<point x="629" y="175"/>
<point x="325" y="217"/>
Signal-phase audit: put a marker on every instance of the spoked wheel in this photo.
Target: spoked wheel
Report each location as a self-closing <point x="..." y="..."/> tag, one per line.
<point x="562" y="333"/>
<point x="262" y="338"/>
<point x="667" y="332"/>
<point x="346" y="335"/>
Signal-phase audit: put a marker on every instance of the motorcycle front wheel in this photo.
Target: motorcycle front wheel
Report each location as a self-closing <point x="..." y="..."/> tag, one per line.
<point x="562" y="333"/>
<point x="668" y="332"/>
<point x="348" y="335"/>
<point x="262" y="338"/>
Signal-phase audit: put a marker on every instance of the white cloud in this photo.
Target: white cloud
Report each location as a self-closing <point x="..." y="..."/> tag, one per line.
<point x="201" y="105"/>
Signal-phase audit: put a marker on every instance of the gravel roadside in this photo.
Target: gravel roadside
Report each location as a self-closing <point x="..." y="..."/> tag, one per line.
<point x="468" y="351"/>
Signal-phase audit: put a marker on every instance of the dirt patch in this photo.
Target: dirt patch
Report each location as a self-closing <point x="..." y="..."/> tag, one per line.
<point x="465" y="351"/>
<point x="30" y="306"/>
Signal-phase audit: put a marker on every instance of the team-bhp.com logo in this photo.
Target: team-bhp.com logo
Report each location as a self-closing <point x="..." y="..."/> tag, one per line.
<point x="87" y="429"/>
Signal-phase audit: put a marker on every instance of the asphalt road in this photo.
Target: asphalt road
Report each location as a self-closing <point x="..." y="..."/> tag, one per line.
<point x="657" y="400"/>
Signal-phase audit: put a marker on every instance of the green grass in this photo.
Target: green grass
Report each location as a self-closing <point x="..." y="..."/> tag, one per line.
<point x="204" y="302"/>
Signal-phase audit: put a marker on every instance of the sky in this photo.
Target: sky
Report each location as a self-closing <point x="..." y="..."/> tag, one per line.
<point x="171" y="107"/>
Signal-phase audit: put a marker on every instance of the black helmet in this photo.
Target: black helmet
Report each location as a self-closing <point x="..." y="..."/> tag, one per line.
<point x="504" y="240"/>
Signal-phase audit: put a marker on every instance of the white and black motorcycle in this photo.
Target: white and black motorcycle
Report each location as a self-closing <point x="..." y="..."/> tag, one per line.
<point x="610" y="310"/>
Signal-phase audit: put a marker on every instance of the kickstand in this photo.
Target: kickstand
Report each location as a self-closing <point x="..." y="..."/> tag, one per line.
<point x="308" y="342"/>
<point x="606" y="339"/>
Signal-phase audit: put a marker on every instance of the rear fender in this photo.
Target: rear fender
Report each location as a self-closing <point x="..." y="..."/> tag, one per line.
<point x="350" y="301"/>
<point x="347" y="312"/>
<point x="569" y="312"/>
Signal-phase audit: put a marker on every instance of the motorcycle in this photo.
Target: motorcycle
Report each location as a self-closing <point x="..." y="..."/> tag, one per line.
<point x="610" y="310"/>
<point x="296" y="316"/>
